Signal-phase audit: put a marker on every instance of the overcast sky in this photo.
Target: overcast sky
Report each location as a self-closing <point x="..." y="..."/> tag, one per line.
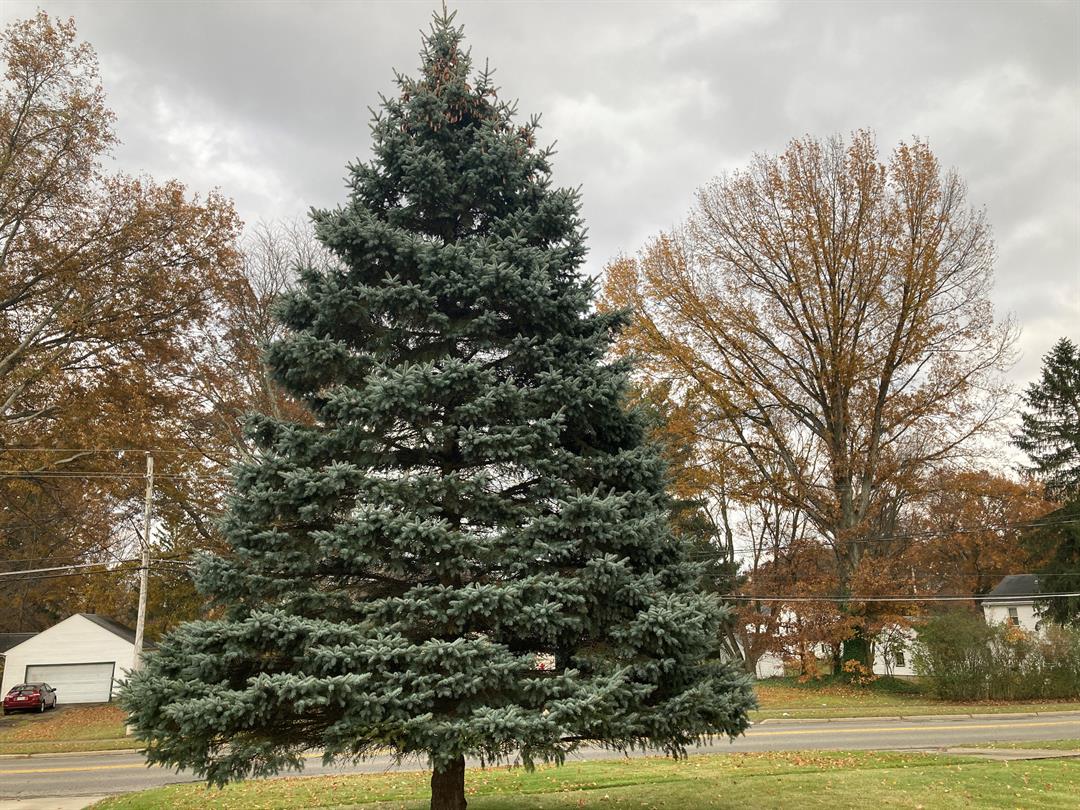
<point x="268" y="101"/>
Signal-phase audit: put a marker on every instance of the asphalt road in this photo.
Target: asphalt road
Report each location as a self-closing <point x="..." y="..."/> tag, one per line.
<point x="98" y="774"/>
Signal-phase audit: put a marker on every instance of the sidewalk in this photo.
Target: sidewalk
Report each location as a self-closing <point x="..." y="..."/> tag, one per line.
<point x="55" y="803"/>
<point x="1010" y="754"/>
<point x="936" y="718"/>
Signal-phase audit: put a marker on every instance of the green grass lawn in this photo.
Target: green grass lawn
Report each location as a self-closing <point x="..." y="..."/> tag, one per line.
<point x="774" y="780"/>
<point x="786" y="697"/>
<point x="66" y="728"/>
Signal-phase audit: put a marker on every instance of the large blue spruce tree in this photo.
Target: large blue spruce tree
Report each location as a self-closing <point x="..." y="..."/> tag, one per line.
<point x="471" y="499"/>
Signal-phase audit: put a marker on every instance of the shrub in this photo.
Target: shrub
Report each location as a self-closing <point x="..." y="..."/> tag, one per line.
<point x="858" y="673"/>
<point x="953" y="650"/>
<point x="966" y="659"/>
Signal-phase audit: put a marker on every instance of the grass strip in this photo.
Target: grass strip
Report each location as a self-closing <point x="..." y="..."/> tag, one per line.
<point x="762" y="780"/>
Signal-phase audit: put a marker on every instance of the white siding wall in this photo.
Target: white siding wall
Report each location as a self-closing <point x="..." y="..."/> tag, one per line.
<point x="75" y="640"/>
<point x="891" y="640"/>
<point x="770" y="665"/>
<point x="999" y="614"/>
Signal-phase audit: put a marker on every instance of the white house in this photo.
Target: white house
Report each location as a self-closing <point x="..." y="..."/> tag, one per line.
<point x="84" y="658"/>
<point x="892" y="655"/>
<point x="1013" y="602"/>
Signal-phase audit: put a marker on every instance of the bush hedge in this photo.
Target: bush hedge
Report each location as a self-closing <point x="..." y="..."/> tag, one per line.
<point x="964" y="658"/>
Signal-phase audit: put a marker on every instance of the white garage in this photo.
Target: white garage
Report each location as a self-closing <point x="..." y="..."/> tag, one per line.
<point x="84" y="657"/>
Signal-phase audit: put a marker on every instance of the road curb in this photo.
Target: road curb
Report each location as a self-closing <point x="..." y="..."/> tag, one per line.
<point x="60" y="754"/>
<point x="825" y="720"/>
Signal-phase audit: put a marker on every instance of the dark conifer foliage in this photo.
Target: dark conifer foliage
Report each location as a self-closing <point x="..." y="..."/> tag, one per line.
<point x="1050" y="426"/>
<point x="1050" y="435"/>
<point x="471" y="501"/>
<point x="1055" y="540"/>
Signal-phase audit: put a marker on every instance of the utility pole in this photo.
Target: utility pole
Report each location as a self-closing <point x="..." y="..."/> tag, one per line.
<point x="144" y="572"/>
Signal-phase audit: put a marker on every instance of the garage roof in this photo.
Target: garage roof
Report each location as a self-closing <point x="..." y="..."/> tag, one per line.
<point x="9" y="641"/>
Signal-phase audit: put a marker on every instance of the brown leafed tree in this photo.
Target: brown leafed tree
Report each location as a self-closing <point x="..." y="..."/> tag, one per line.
<point x="968" y="531"/>
<point x="223" y="381"/>
<point x="109" y="284"/>
<point x="832" y="309"/>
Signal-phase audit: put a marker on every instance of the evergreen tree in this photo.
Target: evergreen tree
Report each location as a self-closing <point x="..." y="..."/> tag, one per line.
<point x="1050" y="435"/>
<point x="472" y="497"/>
<point x="1050" y="427"/>
<point x="1056" y="541"/>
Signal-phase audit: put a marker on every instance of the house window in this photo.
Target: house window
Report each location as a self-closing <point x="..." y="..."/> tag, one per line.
<point x="1014" y="617"/>
<point x="898" y="658"/>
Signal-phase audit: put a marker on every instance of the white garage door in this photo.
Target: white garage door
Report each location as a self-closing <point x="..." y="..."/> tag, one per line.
<point x="75" y="683"/>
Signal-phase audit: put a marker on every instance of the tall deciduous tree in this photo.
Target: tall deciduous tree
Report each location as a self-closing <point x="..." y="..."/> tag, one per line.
<point x="107" y="285"/>
<point x="101" y="277"/>
<point x="834" y="313"/>
<point x="470" y="494"/>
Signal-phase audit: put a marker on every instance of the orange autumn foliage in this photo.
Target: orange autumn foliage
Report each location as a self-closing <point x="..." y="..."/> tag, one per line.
<point x="110" y="287"/>
<point x="826" y="316"/>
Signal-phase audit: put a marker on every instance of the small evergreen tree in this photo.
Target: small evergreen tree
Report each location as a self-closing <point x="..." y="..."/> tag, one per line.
<point x="471" y="498"/>
<point x="1050" y="427"/>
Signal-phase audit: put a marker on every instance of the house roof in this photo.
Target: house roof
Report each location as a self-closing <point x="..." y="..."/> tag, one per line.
<point x="115" y="628"/>
<point x="1014" y="587"/>
<point x="9" y="640"/>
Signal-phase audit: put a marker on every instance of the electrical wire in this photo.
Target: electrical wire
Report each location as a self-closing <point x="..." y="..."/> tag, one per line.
<point x="1020" y="598"/>
<point x="47" y="573"/>
<point x="153" y="570"/>
<point x="85" y="565"/>
<point x="1028" y="524"/>
<point x="96" y="450"/>
<point x="854" y="598"/>
<point x="89" y="474"/>
<point x="45" y="558"/>
<point x="745" y="553"/>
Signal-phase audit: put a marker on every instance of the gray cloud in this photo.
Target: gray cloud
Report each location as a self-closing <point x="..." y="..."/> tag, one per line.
<point x="647" y="100"/>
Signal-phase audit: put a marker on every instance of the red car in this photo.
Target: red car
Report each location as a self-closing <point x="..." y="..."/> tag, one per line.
<point x="30" y="697"/>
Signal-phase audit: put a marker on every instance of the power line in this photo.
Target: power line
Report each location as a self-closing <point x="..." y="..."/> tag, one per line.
<point x="68" y="569"/>
<point x="94" y="573"/>
<point x="83" y="565"/>
<point x="45" y="558"/>
<point x="81" y="474"/>
<point x="853" y="598"/>
<point x="58" y="568"/>
<point x="134" y="450"/>
<point x="907" y="570"/>
<point x="1019" y="598"/>
<point x="939" y="533"/>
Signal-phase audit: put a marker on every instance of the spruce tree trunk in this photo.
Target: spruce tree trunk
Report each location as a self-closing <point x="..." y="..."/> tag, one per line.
<point x="448" y="786"/>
